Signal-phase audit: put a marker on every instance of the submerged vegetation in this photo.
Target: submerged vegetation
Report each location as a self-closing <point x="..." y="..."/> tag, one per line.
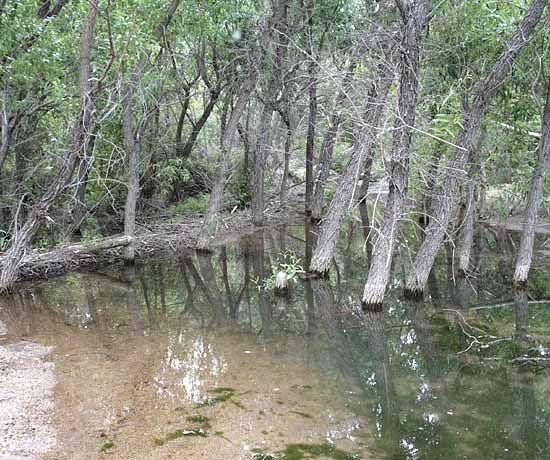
<point x="305" y="451"/>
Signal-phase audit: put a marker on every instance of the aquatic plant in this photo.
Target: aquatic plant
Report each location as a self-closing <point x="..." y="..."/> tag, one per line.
<point x="176" y="434"/>
<point x="303" y="451"/>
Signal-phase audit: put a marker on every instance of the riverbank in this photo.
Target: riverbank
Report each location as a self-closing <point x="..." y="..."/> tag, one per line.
<point x="27" y="382"/>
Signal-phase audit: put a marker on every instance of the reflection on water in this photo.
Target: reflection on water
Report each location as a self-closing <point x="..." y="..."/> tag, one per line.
<point x="156" y="351"/>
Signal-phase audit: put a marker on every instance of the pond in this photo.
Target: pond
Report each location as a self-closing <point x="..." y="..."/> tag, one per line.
<point x="196" y="357"/>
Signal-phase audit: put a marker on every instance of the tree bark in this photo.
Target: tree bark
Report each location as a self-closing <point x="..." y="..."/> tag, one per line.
<point x="21" y="239"/>
<point x="210" y="224"/>
<point x="280" y="14"/>
<point x="525" y="254"/>
<point x="415" y="18"/>
<point x="197" y="128"/>
<point x="132" y="140"/>
<point x="448" y="202"/>
<point x="312" y="117"/>
<point x="325" y="157"/>
<point x="364" y="139"/>
<point x="467" y="237"/>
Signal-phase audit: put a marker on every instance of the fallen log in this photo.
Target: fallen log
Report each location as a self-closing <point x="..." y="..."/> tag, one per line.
<point x="158" y="239"/>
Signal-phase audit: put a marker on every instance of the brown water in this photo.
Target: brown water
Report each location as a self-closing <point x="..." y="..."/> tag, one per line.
<point x="192" y="358"/>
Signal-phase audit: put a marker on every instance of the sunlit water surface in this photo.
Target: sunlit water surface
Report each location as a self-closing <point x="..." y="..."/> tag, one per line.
<point x="197" y="358"/>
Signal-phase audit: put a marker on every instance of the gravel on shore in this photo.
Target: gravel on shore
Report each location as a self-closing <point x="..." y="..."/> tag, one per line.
<point x="27" y="382"/>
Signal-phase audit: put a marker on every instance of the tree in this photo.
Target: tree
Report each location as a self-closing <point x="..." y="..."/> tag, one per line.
<point x="364" y="139"/>
<point x="448" y="202"/>
<point x="525" y="254"/>
<point x="81" y="137"/>
<point x="415" y="17"/>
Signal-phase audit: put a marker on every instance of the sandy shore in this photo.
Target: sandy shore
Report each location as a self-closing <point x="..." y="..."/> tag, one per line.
<point x="26" y="399"/>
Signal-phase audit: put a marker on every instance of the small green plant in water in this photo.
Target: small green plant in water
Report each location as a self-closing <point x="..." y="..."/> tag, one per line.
<point x="290" y="266"/>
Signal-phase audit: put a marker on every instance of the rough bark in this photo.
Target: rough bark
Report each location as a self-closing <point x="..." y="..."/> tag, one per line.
<point x="525" y="254"/>
<point x="197" y="127"/>
<point x="22" y="238"/>
<point x="312" y="116"/>
<point x="448" y="202"/>
<point x="264" y="132"/>
<point x="132" y="138"/>
<point x="286" y="168"/>
<point x="467" y="236"/>
<point x="322" y="170"/>
<point x="248" y="84"/>
<point x="362" y="203"/>
<point x="415" y="18"/>
<point x="364" y="139"/>
<point x="426" y="200"/>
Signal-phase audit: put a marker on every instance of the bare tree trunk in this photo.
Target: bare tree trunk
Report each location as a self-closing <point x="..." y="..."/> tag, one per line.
<point x="132" y="140"/>
<point x="467" y="232"/>
<point x="448" y="202"/>
<point x="426" y="200"/>
<point x="365" y="137"/>
<point x="23" y="237"/>
<point x="525" y="254"/>
<point x="210" y="224"/>
<point x="79" y="210"/>
<point x="325" y="157"/>
<point x="286" y="169"/>
<point x="280" y="14"/>
<point x="312" y="118"/>
<point x="467" y="237"/>
<point x="362" y="203"/>
<point x="415" y="19"/>
<point x="181" y="120"/>
<point x="197" y="128"/>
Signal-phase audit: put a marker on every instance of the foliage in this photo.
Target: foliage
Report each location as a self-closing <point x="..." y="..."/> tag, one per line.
<point x="289" y="264"/>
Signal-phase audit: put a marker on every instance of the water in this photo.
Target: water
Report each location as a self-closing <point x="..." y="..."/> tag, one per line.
<point x="191" y="358"/>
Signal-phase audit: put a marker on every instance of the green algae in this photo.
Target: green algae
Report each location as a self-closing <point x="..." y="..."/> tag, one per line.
<point x="177" y="434"/>
<point x="199" y="419"/>
<point x="301" y="451"/>
<point x="222" y="394"/>
<point x="305" y="451"/>
<point x="107" y="446"/>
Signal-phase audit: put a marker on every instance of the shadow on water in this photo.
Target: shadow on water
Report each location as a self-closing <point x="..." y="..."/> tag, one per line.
<point x="145" y="349"/>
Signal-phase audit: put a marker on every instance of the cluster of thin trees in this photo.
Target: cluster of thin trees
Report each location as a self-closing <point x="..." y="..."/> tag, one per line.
<point x="254" y="92"/>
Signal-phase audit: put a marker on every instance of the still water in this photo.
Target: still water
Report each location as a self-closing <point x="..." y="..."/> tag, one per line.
<point x="196" y="358"/>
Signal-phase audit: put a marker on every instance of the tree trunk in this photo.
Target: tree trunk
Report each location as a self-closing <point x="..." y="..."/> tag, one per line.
<point x="286" y="168"/>
<point x="426" y="200"/>
<point x="181" y="121"/>
<point x="525" y="254"/>
<point x="325" y="158"/>
<point x="79" y="209"/>
<point x="365" y="137"/>
<point x="415" y="18"/>
<point x="210" y="224"/>
<point x="264" y="132"/>
<point x="132" y="140"/>
<point x="21" y="240"/>
<point x="467" y="237"/>
<point x="448" y="203"/>
<point x="362" y="203"/>
<point x="312" y="118"/>
<point x="192" y="139"/>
